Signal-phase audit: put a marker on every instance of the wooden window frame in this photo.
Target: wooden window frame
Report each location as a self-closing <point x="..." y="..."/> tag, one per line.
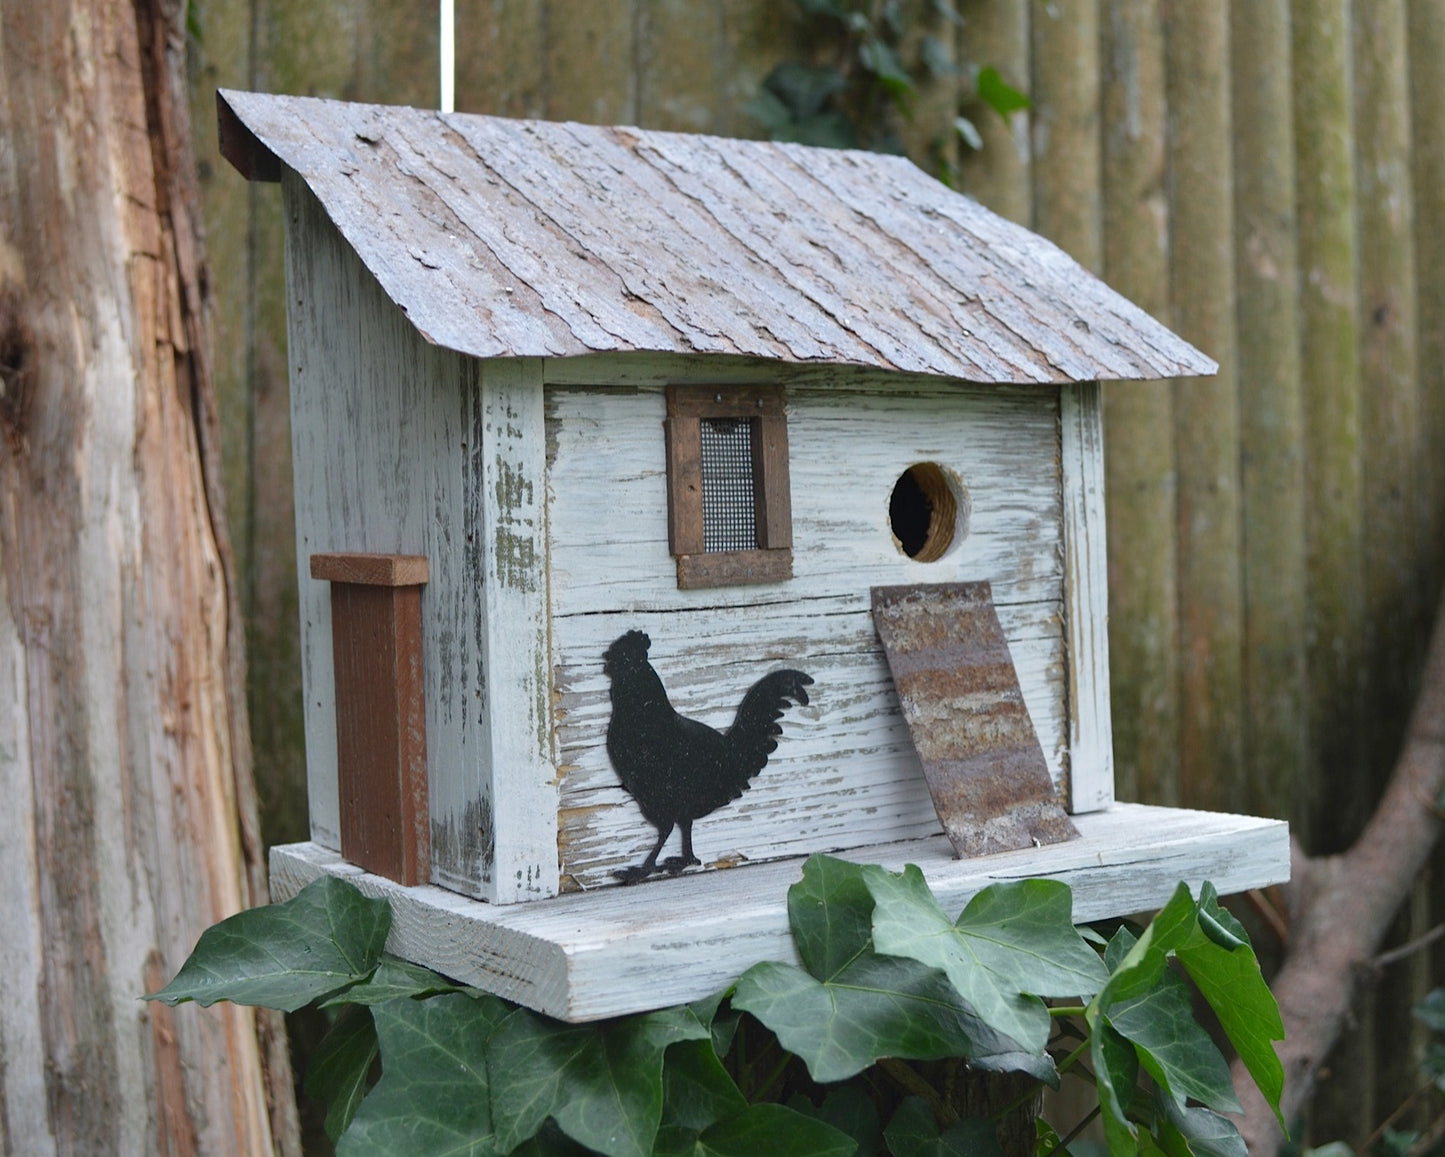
<point x="772" y="561"/>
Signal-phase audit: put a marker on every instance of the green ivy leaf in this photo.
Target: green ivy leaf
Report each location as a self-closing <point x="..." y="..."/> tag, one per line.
<point x="1012" y="944"/>
<point x="946" y="10"/>
<point x="1152" y="1008"/>
<point x="769" y="111"/>
<point x="849" y="1110"/>
<point x="550" y="1141"/>
<point x="891" y="17"/>
<point x="913" y="1132"/>
<point x="432" y="1099"/>
<point x="1118" y="948"/>
<point x="285" y="955"/>
<point x="854" y="1006"/>
<point x="1047" y="1139"/>
<point x="340" y="1066"/>
<point x="392" y="980"/>
<point x="832" y="8"/>
<point x="803" y="89"/>
<point x="937" y="58"/>
<point x="770" y="1129"/>
<point x="1116" y="1072"/>
<point x="1194" y="1132"/>
<point x="704" y="1113"/>
<point x="827" y="130"/>
<point x="878" y="1007"/>
<point x="1431" y="1011"/>
<point x="1000" y="96"/>
<point x="696" y="1089"/>
<point x="1230" y="980"/>
<point x="878" y="58"/>
<point x="830" y="911"/>
<point x="601" y="1083"/>
<point x="968" y="132"/>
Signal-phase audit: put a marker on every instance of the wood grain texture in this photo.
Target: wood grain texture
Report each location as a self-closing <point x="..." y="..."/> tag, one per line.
<point x="510" y="497"/>
<point x="1206" y="413"/>
<point x="505" y="68"/>
<point x="994" y="35"/>
<point x="845" y="771"/>
<point x="1274" y="674"/>
<point x="401" y="447"/>
<point x="510" y="238"/>
<point x="1138" y="417"/>
<point x="129" y="823"/>
<point x="1086" y="599"/>
<point x="586" y="957"/>
<point x="1064" y="87"/>
<point x="772" y="481"/>
<point x="378" y="570"/>
<point x="381" y="729"/>
<point x="603" y="33"/>
<point x="753" y="39"/>
<point x="1330" y="370"/>
<point x="709" y="569"/>
<point x="680" y="64"/>
<point x="1397" y="609"/>
<point x="1427" y="155"/>
<point x="683" y="437"/>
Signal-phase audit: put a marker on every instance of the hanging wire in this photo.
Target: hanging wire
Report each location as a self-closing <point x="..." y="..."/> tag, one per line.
<point x="448" y="41"/>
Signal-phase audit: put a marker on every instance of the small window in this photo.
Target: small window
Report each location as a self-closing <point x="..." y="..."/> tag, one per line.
<point x="729" y="511"/>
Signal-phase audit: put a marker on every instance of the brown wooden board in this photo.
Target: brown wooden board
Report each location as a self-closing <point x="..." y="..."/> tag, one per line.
<point x="381" y="727"/>
<point x="380" y="570"/>
<point x="735" y="568"/>
<point x="960" y="695"/>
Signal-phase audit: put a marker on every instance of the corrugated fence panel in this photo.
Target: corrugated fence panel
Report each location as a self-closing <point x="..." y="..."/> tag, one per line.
<point x="1139" y="416"/>
<point x="1271" y="449"/>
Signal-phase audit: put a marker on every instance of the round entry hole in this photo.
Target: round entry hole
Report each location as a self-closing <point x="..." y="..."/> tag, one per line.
<point x="928" y="512"/>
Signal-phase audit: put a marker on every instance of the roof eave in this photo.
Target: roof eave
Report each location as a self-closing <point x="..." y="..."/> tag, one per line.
<point x="247" y="153"/>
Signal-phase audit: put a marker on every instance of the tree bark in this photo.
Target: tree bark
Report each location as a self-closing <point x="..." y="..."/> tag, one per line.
<point x="1342" y="906"/>
<point x="128" y="823"/>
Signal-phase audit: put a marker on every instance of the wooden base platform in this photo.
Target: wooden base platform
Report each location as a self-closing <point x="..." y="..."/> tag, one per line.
<point x="619" y="950"/>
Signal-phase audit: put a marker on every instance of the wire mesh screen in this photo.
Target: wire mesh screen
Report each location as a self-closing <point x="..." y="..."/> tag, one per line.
<point x="729" y="519"/>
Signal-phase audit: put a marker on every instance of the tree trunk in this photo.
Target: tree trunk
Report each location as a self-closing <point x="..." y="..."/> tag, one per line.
<point x="129" y="820"/>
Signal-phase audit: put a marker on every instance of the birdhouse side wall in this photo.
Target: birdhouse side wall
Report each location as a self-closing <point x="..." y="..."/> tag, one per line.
<point x="845" y="772"/>
<point x="1086" y="598"/>
<point x="400" y="446"/>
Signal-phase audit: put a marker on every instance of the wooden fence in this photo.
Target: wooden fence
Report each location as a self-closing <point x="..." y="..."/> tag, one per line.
<point x="1266" y="176"/>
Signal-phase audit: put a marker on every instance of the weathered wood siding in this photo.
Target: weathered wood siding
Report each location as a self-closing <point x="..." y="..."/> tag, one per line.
<point x="406" y="448"/>
<point x="845" y="772"/>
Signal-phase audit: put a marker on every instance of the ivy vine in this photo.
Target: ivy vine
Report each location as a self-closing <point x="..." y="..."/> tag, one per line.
<point x="826" y="1058"/>
<point x="867" y="62"/>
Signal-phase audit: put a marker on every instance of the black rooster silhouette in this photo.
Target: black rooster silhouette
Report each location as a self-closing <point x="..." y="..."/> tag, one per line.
<point x="678" y="769"/>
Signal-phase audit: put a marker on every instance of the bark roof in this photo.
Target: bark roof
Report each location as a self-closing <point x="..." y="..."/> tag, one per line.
<point x="517" y="238"/>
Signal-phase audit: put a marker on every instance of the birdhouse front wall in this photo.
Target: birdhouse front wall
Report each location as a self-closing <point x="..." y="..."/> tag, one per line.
<point x="537" y="490"/>
<point x="845" y="772"/>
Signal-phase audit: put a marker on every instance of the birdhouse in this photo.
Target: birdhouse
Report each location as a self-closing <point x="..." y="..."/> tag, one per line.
<point x="670" y="508"/>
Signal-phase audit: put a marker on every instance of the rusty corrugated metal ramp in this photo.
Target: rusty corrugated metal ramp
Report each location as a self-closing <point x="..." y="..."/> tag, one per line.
<point x="960" y="696"/>
<point x="514" y="238"/>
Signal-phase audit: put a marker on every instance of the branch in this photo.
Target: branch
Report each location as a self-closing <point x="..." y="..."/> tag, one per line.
<point x="1346" y="905"/>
